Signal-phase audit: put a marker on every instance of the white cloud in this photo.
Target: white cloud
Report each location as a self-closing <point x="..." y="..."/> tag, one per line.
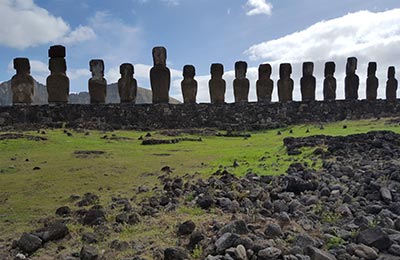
<point x="24" y="24"/>
<point x="366" y="35"/>
<point x="80" y="34"/>
<point x="259" y="7"/>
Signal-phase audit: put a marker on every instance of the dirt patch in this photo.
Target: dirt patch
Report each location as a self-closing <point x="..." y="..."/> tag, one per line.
<point x="11" y="136"/>
<point x="169" y="141"/>
<point x="89" y="154"/>
<point x="179" y="132"/>
<point x="161" y="154"/>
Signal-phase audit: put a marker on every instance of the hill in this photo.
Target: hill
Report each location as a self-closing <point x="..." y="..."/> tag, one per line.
<point x="144" y="96"/>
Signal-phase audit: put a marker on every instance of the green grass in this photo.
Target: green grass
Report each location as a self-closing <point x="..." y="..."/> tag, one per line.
<point x="27" y="195"/>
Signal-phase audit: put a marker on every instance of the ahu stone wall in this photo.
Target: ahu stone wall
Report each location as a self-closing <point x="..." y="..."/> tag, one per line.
<point x="236" y="116"/>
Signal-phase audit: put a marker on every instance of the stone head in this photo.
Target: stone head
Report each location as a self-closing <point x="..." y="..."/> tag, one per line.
<point x="189" y="71"/>
<point x="57" y="65"/>
<point x="97" y="67"/>
<point x="21" y="65"/>
<point x="217" y="70"/>
<point x="265" y="70"/>
<point x="351" y="65"/>
<point x="308" y="68"/>
<point x="160" y="56"/>
<point x="240" y="69"/>
<point x="285" y="70"/>
<point x="330" y="68"/>
<point x="57" y="51"/>
<point x="391" y="72"/>
<point x="126" y="69"/>
<point x="372" y="66"/>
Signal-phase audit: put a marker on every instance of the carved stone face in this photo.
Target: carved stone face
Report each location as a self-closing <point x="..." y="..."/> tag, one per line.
<point x="160" y="56"/>
<point x="57" y="65"/>
<point x="372" y="68"/>
<point x="21" y="65"/>
<point x="217" y="70"/>
<point x="240" y="69"/>
<point x="391" y="72"/>
<point x="265" y="70"/>
<point x="189" y="71"/>
<point x="351" y="66"/>
<point x="308" y="68"/>
<point x="126" y="69"/>
<point x="330" y="68"/>
<point x="285" y="70"/>
<point x="97" y="68"/>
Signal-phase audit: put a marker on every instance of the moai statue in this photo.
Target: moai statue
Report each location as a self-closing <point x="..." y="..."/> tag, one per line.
<point x="97" y="84"/>
<point x="241" y="85"/>
<point x="372" y="82"/>
<point x="217" y="84"/>
<point x="189" y="84"/>
<point x="352" y="81"/>
<point x="127" y="85"/>
<point x="160" y="76"/>
<point x="308" y="82"/>
<point x="22" y="84"/>
<point x="58" y="82"/>
<point x="330" y="81"/>
<point x="285" y="83"/>
<point x="265" y="85"/>
<point x="391" y="85"/>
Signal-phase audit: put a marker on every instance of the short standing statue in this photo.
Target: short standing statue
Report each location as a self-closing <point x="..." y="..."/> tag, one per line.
<point x="330" y="81"/>
<point x="285" y="83"/>
<point x="308" y="82"/>
<point x="57" y="83"/>
<point x="160" y="76"/>
<point x="22" y="84"/>
<point x="189" y="85"/>
<point x="97" y="84"/>
<point x="241" y="85"/>
<point x="391" y="85"/>
<point x="265" y="84"/>
<point x="372" y="82"/>
<point x="217" y="84"/>
<point x="352" y="81"/>
<point x="127" y="84"/>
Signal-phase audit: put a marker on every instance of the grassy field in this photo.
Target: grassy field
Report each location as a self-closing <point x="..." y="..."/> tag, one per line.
<point x="27" y="195"/>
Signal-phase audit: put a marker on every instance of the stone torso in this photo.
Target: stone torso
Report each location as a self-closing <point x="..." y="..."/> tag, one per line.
<point x="330" y="88"/>
<point x="127" y="88"/>
<point x="217" y="90"/>
<point x="189" y="90"/>
<point x="308" y="88"/>
<point x="97" y="91"/>
<point x="285" y="90"/>
<point x="241" y="89"/>
<point x="391" y="89"/>
<point x="264" y="90"/>
<point x="160" y="79"/>
<point x="372" y="88"/>
<point x="352" y="83"/>
<point x="22" y="87"/>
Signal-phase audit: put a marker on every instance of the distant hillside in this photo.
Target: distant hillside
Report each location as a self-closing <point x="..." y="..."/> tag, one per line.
<point x="144" y="96"/>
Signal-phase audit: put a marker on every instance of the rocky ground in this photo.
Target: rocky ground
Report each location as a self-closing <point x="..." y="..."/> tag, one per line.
<point x="349" y="209"/>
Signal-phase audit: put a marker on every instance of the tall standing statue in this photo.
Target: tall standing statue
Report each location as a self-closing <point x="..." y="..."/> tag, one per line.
<point x="22" y="84"/>
<point x="352" y="81"/>
<point x="265" y="85"/>
<point x="285" y="83"/>
<point x="391" y="85"/>
<point x="372" y="82"/>
<point x="57" y="83"/>
<point x="189" y="84"/>
<point x="127" y="85"/>
<point x="330" y="81"/>
<point x="308" y="82"/>
<point x="217" y="84"/>
<point x="97" y="84"/>
<point x="160" y="76"/>
<point x="241" y="85"/>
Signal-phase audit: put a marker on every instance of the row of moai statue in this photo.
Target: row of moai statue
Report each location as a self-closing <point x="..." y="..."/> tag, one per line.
<point x="160" y="78"/>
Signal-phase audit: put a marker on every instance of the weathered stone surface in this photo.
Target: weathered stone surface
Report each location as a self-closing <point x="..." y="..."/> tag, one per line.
<point x="52" y="232"/>
<point x="285" y="83"/>
<point x="127" y="84"/>
<point x="22" y="84"/>
<point x="241" y="85"/>
<point x="391" y="85"/>
<point x="374" y="237"/>
<point x="97" y="84"/>
<point x="308" y="82"/>
<point x="29" y="243"/>
<point x="270" y="253"/>
<point x="89" y="253"/>
<point x="372" y="82"/>
<point x="160" y="76"/>
<point x="186" y="228"/>
<point x="189" y="84"/>
<point x="352" y="81"/>
<point x="175" y="253"/>
<point x="317" y="254"/>
<point x="57" y="83"/>
<point x="330" y="81"/>
<point x="265" y="85"/>
<point x="217" y="84"/>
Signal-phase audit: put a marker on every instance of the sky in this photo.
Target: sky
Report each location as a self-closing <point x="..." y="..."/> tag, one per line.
<point x="202" y="32"/>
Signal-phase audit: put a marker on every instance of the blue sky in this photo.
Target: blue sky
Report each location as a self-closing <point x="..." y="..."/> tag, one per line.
<point x="200" y="32"/>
